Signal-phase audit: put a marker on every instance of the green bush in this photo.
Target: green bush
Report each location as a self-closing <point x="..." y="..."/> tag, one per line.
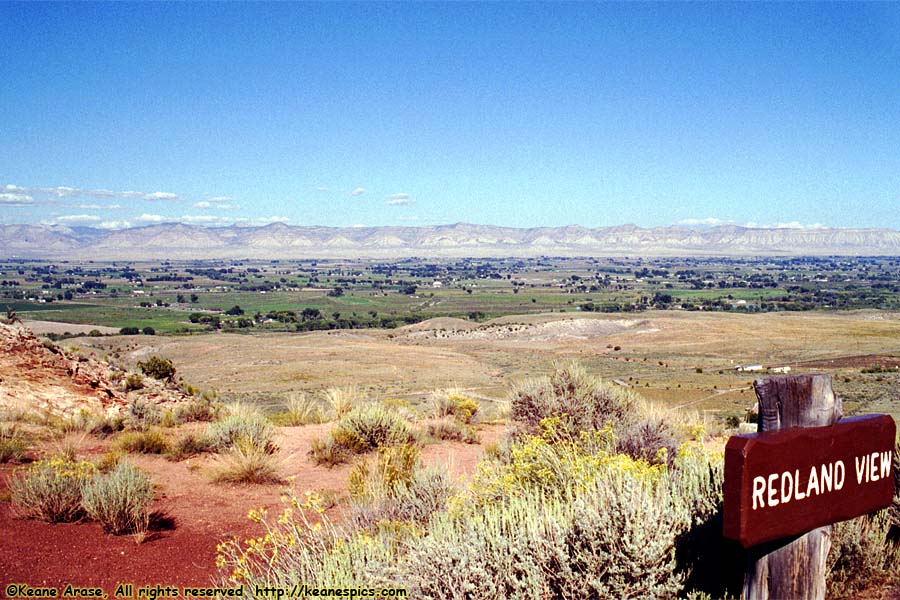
<point x="157" y="368"/>
<point x="244" y="423"/>
<point x="582" y="401"/>
<point x="364" y="428"/>
<point x="119" y="500"/>
<point x="151" y="441"/>
<point x="50" y="490"/>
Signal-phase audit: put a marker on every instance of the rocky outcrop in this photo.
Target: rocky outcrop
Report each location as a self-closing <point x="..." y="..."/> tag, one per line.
<point x="39" y="377"/>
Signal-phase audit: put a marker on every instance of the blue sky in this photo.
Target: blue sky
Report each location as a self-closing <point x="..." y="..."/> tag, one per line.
<point x="411" y="114"/>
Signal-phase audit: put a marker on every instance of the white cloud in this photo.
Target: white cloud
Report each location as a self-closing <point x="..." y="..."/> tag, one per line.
<point x="401" y="199"/>
<point x="220" y="199"/>
<point x="15" y="199"/>
<point x="214" y="203"/>
<point x="321" y="188"/>
<point x="798" y="225"/>
<point x="789" y="225"/>
<point x="358" y="191"/>
<point x="161" y="196"/>
<point x="114" y="225"/>
<point x="64" y="191"/>
<point x="89" y="206"/>
<point x="710" y="221"/>
<point x="78" y="219"/>
<point x="145" y="218"/>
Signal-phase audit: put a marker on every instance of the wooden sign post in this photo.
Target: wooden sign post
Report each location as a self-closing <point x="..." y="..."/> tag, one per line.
<point x="785" y="485"/>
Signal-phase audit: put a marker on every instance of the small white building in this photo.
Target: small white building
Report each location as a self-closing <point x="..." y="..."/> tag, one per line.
<point x="749" y="368"/>
<point x="437" y="284"/>
<point x="784" y="369"/>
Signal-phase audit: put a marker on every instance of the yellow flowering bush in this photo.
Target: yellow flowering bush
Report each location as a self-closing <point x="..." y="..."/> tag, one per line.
<point x="50" y="490"/>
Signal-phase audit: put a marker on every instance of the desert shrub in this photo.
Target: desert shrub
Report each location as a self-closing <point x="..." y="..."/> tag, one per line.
<point x="395" y="466"/>
<point x="203" y="408"/>
<point x="247" y="462"/>
<point x="106" y="425"/>
<point x="157" y="368"/>
<point x="402" y="407"/>
<point x="397" y="489"/>
<point x="190" y="444"/>
<point x="300" y="409"/>
<point x="243" y="423"/>
<point x="652" y="439"/>
<point x="142" y="414"/>
<point x="134" y="382"/>
<point x="108" y="461"/>
<point x="303" y="544"/>
<point x="372" y="425"/>
<point x="151" y="441"/>
<point x="449" y="428"/>
<point x="328" y="452"/>
<point x="119" y="500"/>
<point x="862" y="554"/>
<point x="451" y="402"/>
<point x="50" y="490"/>
<point x="364" y="428"/>
<point x="582" y="401"/>
<point x="13" y="443"/>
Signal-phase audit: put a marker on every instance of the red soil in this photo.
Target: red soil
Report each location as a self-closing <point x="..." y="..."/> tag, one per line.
<point x="197" y="515"/>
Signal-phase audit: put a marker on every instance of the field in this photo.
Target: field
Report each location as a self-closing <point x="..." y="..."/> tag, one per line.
<point x="692" y="354"/>
<point x="659" y="354"/>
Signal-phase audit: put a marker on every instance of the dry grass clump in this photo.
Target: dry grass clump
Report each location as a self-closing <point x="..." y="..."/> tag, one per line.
<point x="300" y="409"/>
<point x="202" y="408"/>
<point x="340" y="400"/>
<point x="151" y="441"/>
<point x="365" y="428"/>
<point x="246" y="462"/>
<point x="190" y="444"/>
<point x="14" y="443"/>
<point x="119" y="500"/>
<point x="451" y="429"/>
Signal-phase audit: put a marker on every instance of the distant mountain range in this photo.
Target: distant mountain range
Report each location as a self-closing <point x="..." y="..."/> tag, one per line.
<point x="179" y="241"/>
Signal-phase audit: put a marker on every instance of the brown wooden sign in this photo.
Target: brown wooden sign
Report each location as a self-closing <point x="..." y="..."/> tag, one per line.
<point x="788" y="482"/>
